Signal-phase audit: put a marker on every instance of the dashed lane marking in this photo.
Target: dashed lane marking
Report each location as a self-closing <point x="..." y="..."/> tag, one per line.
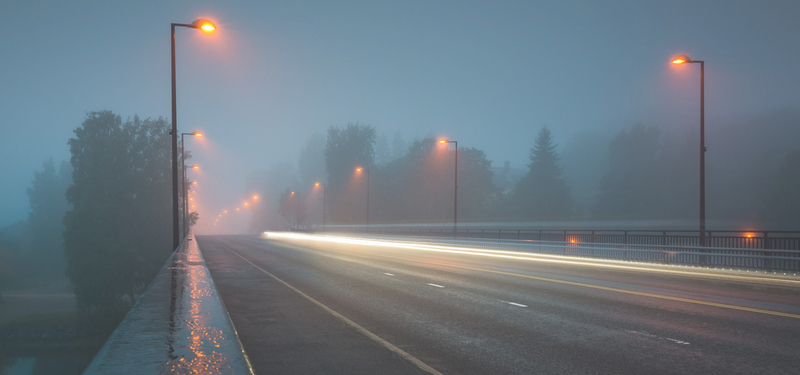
<point x="436" y="285"/>
<point x="364" y="331"/>
<point x="657" y="337"/>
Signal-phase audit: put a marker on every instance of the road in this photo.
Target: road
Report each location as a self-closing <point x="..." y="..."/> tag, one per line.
<point x="334" y="305"/>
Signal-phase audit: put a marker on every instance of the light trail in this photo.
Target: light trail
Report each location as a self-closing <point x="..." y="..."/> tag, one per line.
<point x="503" y="254"/>
<point x="544" y="258"/>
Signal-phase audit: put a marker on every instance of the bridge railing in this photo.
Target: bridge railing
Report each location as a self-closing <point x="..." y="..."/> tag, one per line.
<point x="766" y="250"/>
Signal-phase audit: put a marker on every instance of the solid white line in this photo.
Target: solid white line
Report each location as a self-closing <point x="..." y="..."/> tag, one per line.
<point x="436" y="285"/>
<point x="422" y="365"/>
<point x="516" y="304"/>
<point x="388" y="274"/>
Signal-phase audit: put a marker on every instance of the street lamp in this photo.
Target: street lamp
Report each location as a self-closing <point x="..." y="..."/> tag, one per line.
<point x="359" y="170"/>
<point x="323" y="201"/>
<point x="207" y="26"/>
<point x="682" y="59"/>
<point x="455" y="188"/>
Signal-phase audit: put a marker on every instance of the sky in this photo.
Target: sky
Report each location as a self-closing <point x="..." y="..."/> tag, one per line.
<point x="489" y="74"/>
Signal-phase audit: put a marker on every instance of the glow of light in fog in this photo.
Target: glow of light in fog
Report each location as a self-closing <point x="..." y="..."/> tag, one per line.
<point x="544" y="258"/>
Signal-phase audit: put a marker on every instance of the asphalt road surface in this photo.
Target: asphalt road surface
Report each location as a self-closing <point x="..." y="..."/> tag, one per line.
<point x="333" y="306"/>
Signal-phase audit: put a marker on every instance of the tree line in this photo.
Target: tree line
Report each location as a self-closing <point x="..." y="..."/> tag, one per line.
<point x="104" y="218"/>
<point x="641" y="172"/>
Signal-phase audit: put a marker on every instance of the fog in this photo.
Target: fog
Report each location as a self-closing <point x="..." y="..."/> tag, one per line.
<point x="490" y="76"/>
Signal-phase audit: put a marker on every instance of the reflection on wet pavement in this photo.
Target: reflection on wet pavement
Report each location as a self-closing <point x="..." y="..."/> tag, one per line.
<point x="179" y="326"/>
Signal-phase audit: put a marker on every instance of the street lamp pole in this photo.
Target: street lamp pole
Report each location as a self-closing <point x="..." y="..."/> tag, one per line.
<point x="681" y="60"/>
<point x="359" y="169"/>
<point x="455" y="188"/>
<point x="206" y="26"/>
<point x="323" y="202"/>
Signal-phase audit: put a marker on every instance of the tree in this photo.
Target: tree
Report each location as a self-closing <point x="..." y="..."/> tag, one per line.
<point x="346" y="149"/>
<point x="48" y="204"/>
<point x="311" y="162"/>
<point x="781" y="206"/>
<point x="419" y="186"/>
<point x="543" y="192"/>
<point x="118" y="232"/>
<point x="631" y="188"/>
<point x="293" y="209"/>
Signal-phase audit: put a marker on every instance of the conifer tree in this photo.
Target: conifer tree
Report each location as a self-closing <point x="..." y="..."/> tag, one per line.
<point x="543" y="193"/>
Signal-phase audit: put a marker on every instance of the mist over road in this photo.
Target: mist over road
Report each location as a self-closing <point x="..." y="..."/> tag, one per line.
<point x="309" y="306"/>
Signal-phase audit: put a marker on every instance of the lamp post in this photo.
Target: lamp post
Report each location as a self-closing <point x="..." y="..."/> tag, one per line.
<point x="359" y="170"/>
<point x="682" y="59"/>
<point x="323" y="201"/>
<point x="455" y="187"/>
<point x="296" y="210"/>
<point x="183" y="179"/>
<point x="207" y="26"/>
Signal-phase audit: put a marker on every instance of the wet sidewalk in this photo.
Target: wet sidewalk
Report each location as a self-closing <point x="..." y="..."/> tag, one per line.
<point x="179" y="325"/>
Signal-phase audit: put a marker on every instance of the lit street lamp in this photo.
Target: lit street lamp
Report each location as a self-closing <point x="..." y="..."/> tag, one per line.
<point x="359" y="170"/>
<point x="323" y="201"/>
<point x="455" y="188"/>
<point x="682" y="59"/>
<point x="207" y="26"/>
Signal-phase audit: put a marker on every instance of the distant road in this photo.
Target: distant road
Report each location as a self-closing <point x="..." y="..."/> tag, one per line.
<point x="304" y="306"/>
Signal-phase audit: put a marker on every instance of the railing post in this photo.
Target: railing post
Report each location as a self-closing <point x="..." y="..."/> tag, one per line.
<point x="767" y="263"/>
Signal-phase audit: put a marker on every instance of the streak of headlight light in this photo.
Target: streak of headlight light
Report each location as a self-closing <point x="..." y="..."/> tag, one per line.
<point x="560" y="259"/>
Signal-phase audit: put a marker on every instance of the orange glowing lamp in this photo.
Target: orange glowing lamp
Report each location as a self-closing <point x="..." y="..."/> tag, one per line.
<point x="198" y="134"/>
<point x="359" y="170"/>
<point x="316" y="184"/>
<point x="255" y="197"/>
<point x="681" y="59"/>
<point x="442" y="141"/>
<point x="204" y="24"/>
<point x="246" y="204"/>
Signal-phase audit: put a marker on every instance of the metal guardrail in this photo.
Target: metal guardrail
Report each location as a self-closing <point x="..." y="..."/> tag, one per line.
<point x="765" y="250"/>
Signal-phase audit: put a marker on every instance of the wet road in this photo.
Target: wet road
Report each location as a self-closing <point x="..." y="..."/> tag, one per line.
<point x="325" y="306"/>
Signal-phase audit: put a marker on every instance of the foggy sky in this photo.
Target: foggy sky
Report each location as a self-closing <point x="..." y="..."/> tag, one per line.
<point x="488" y="74"/>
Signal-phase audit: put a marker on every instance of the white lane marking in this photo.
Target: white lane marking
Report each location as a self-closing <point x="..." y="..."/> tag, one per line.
<point x="388" y="274"/>
<point x="436" y="285"/>
<point x="657" y="337"/>
<point x="516" y="304"/>
<point x="349" y="322"/>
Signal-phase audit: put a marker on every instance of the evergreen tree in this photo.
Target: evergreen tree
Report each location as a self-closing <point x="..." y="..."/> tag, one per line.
<point x="543" y="193"/>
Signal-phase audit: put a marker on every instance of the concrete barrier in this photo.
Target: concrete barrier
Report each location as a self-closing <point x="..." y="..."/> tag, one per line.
<point x="178" y="326"/>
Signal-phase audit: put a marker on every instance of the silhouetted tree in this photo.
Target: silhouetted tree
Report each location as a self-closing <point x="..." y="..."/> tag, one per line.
<point x="631" y="188"/>
<point x="293" y="208"/>
<point x="419" y="186"/>
<point x="346" y="149"/>
<point x="118" y="232"/>
<point x="781" y="206"/>
<point x="311" y="162"/>
<point x="543" y="192"/>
